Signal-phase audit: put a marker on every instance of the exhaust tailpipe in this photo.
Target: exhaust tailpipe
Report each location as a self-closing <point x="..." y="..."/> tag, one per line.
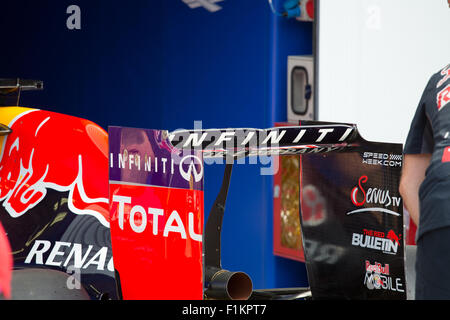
<point x="221" y="284"/>
<point x="227" y="285"/>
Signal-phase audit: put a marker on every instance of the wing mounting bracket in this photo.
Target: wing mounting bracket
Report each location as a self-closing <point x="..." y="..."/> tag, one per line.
<point x="10" y="90"/>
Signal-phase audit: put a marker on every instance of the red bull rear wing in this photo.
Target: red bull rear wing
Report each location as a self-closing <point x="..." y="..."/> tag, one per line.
<point x="351" y="212"/>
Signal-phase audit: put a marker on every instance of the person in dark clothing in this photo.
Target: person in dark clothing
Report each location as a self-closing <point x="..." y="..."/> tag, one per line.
<point x="425" y="186"/>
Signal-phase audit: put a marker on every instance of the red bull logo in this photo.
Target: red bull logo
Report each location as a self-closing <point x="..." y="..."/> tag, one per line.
<point x="48" y="150"/>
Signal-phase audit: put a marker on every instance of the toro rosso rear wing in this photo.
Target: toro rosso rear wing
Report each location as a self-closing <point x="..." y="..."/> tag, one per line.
<point x="350" y="211"/>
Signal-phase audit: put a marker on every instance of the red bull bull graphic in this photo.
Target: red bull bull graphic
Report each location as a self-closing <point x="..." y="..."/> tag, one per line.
<point x="156" y="196"/>
<point x="74" y="149"/>
<point x="54" y="195"/>
<point x="56" y="152"/>
<point x="393" y="237"/>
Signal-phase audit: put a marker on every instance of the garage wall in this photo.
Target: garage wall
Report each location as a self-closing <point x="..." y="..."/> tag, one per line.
<point x="160" y="64"/>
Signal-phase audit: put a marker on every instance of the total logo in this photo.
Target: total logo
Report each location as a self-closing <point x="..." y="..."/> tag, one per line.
<point x="378" y="277"/>
<point x="138" y="218"/>
<point x="361" y="195"/>
<point x="386" y="243"/>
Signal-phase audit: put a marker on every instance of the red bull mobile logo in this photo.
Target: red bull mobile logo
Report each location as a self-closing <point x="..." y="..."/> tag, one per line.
<point x="48" y="150"/>
<point x="379" y="277"/>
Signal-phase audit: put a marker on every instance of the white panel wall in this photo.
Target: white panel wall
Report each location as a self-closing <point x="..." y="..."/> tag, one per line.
<point x="374" y="59"/>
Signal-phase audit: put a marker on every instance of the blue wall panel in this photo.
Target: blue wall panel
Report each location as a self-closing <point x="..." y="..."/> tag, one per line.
<point x="159" y="64"/>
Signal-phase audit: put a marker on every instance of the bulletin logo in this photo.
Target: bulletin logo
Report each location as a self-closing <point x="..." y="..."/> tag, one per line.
<point x="385" y="242"/>
<point x="379" y="277"/>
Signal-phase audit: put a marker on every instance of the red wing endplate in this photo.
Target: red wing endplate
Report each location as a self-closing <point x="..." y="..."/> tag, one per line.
<point x="156" y="198"/>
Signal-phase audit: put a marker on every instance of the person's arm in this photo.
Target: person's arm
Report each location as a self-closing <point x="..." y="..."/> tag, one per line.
<point x="413" y="174"/>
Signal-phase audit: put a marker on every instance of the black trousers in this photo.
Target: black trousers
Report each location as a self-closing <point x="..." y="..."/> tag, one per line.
<point x="433" y="265"/>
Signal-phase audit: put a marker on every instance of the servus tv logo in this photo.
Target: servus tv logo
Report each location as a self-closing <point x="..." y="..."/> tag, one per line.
<point x="381" y="198"/>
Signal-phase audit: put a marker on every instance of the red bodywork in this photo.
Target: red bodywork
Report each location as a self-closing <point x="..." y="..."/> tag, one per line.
<point x="156" y="216"/>
<point x="5" y="264"/>
<point x="51" y="151"/>
<point x="48" y="150"/>
<point x="162" y="257"/>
